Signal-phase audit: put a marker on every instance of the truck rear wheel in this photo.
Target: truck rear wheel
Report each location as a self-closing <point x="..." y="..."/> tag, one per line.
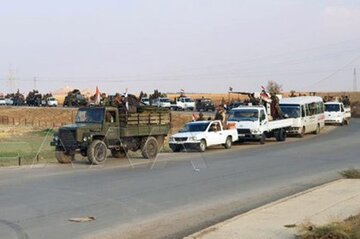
<point x="63" y="157"/>
<point x="280" y="135"/>
<point x="228" y="142"/>
<point x="97" y="152"/>
<point x="317" y="131"/>
<point x="150" y="148"/>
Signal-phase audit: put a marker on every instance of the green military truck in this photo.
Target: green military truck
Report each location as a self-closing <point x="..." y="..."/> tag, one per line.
<point x="98" y="129"/>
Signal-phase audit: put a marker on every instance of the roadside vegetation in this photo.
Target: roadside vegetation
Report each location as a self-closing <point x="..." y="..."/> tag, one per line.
<point x="30" y="147"/>
<point x="351" y="173"/>
<point x="347" y="229"/>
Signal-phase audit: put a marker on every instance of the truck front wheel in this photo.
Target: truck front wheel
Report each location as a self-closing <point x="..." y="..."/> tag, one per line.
<point x="263" y="138"/>
<point x="97" y="152"/>
<point x="202" y="145"/>
<point x="63" y="157"/>
<point x="150" y="148"/>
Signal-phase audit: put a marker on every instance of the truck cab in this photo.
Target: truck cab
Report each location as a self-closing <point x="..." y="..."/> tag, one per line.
<point x="161" y="102"/>
<point x="336" y="113"/>
<point x="183" y="103"/>
<point x="253" y="124"/>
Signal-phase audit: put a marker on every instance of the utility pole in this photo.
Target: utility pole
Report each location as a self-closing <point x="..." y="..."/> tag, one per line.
<point x="355" y="81"/>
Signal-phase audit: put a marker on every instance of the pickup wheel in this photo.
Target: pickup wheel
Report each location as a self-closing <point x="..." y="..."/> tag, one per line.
<point x="228" y="142"/>
<point x="263" y="138"/>
<point x="97" y="152"/>
<point x="63" y="157"/>
<point x="202" y="145"/>
<point x="150" y="148"/>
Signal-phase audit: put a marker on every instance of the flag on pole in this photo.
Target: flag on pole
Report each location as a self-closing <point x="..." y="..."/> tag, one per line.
<point x="126" y="100"/>
<point x="97" y="96"/>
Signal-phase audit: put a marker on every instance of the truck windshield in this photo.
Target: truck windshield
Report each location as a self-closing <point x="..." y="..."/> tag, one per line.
<point x="292" y="111"/>
<point x="164" y="100"/>
<point x="332" y="107"/>
<point x="90" y="115"/>
<point x="188" y="100"/>
<point x="244" y="115"/>
<point x="195" y="127"/>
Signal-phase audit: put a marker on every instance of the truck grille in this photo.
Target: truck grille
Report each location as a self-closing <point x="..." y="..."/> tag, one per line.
<point x="181" y="139"/>
<point x="243" y="131"/>
<point x="68" y="138"/>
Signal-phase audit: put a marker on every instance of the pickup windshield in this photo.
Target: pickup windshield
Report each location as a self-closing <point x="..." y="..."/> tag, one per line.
<point x="244" y="115"/>
<point x="90" y="115"/>
<point x="164" y="100"/>
<point x="332" y="108"/>
<point x="188" y="100"/>
<point x="292" y="111"/>
<point x="195" y="127"/>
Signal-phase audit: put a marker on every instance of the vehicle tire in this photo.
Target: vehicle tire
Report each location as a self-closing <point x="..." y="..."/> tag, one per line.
<point x="302" y="134"/>
<point x="175" y="148"/>
<point x="347" y="122"/>
<point x="277" y="135"/>
<point x="317" y="131"/>
<point x="150" y="148"/>
<point x="228" y="142"/>
<point x="263" y="138"/>
<point x="282" y="135"/>
<point x="202" y="145"/>
<point x="120" y="153"/>
<point x="97" y="152"/>
<point x="63" y="157"/>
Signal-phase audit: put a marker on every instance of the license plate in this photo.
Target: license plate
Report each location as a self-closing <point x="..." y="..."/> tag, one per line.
<point x="241" y="135"/>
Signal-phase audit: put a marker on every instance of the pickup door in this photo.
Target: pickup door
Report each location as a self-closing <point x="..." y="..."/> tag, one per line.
<point x="215" y="134"/>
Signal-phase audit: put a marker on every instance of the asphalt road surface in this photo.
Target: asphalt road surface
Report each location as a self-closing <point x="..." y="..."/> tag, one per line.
<point x="171" y="197"/>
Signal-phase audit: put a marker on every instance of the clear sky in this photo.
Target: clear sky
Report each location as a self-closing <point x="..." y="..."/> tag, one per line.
<point x="195" y="45"/>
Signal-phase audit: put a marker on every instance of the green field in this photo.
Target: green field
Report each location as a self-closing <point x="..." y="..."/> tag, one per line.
<point x="33" y="148"/>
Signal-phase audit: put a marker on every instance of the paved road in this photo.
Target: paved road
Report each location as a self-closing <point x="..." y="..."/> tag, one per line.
<point x="177" y="195"/>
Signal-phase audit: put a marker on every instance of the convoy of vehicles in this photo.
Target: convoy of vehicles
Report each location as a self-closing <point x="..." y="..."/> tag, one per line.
<point x="98" y="129"/>
<point x="202" y="134"/>
<point x="183" y="103"/>
<point x="252" y="123"/>
<point x="337" y="113"/>
<point x="307" y="113"/>
<point x="204" y="104"/>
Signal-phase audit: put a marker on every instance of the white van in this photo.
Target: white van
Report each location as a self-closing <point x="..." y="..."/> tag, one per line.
<point x="308" y="114"/>
<point x="336" y="113"/>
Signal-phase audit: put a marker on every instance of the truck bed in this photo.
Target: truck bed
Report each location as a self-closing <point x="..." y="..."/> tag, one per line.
<point x="278" y="124"/>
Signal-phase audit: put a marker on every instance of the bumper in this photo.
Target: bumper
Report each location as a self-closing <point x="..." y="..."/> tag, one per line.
<point x="294" y="131"/>
<point x="249" y="137"/>
<point x="334" y="121"/>
<point x="186" y="145"/>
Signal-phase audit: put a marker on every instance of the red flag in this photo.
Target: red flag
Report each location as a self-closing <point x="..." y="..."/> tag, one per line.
<point x="97" y="96"/>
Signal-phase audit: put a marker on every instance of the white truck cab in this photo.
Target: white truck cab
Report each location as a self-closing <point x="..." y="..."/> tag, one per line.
<point x="183" y="103"/>
<point x="202" y="134"/>
<point x="161" y="102"/>
<point x="52" y="102"/>
<point x="336" y="113"/>
<point x="252" y="123"/>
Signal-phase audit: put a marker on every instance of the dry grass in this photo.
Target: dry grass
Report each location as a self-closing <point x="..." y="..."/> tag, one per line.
<point x="351" y="173"/>
<point x="347" y="229"/>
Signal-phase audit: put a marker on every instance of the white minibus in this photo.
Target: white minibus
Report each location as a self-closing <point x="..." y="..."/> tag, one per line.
<point x="308" y="114"/>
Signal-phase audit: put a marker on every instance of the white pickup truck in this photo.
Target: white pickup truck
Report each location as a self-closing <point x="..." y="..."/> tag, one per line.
<point x="252" y="123"/>
<point x="337" y="113"/>
<point x="183" y="103"/>
<point x="202" y="134"/>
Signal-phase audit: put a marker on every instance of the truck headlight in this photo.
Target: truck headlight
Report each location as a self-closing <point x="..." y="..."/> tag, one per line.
<point x="56" y="138"/>
<point x="193" y="138"/>
<point x="171" y="139"/>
